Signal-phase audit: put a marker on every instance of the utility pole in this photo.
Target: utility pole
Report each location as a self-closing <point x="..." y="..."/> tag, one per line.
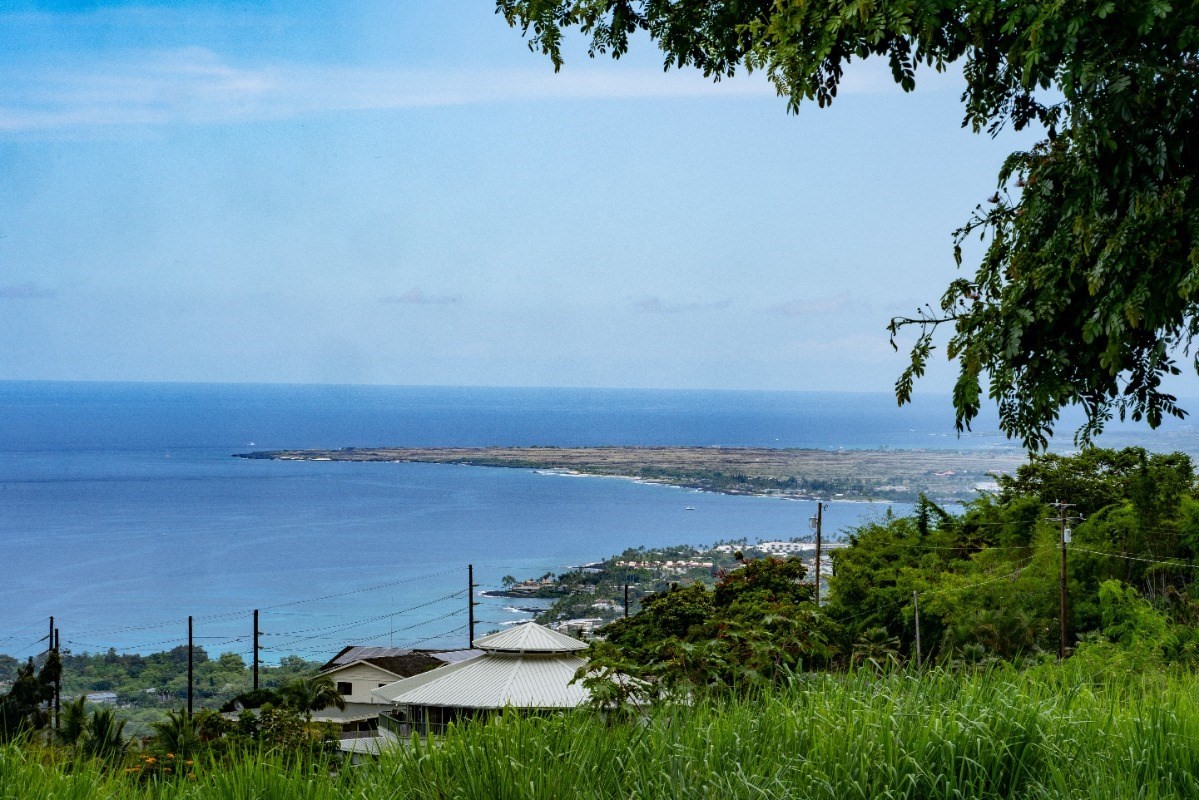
<point x="1062" y="518"/>
<point x="50" y="652"/>
<point x="916" y="611"/>
<point x="190" y="670"/>
<point x="626" y="601"/>
<point x="57" y="683"/>
<point x="470" y="605"/>
<point x="256" y="633"/>
<point x="817" y="522"/>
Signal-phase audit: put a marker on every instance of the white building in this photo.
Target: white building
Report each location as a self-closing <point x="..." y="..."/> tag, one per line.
<point x="527" y="667"/>
<point x="357" y="671"/>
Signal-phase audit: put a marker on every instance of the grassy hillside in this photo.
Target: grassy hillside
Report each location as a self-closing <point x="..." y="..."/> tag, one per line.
<point x="1049" y="732"/>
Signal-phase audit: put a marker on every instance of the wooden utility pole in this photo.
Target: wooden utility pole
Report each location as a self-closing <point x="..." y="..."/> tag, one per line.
<point x="57" y="683"/>
<point x="190" y="667"/>
<point x="256" y="632"/>
<point x="916" y="612"/>
<point x="470" y="605"/>
<point x="1062" y="519"/>
<point x="818" y="523"/>
<point x="50" y="652"/>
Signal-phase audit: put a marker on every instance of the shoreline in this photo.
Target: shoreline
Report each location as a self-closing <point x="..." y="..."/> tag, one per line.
<point x="951" y="476"/>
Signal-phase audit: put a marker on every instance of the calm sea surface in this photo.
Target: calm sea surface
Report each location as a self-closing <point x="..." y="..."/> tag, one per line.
<point x="122" y="510"/>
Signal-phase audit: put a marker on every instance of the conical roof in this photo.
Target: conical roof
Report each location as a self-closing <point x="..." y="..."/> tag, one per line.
<point x="529" y="637"/>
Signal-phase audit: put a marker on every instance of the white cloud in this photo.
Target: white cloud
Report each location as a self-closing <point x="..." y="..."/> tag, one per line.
<point x="810" y="306"/>
<point x="418" y="297"/>
<point x="196" y="85"/>
<point x="652" y="304"/>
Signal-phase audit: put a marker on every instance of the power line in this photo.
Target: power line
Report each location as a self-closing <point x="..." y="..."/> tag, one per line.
<point x="356" y="624"/>
<point x="1127" y="557"/>
<point x="343" y="626"/>
<point x="288" y="604"/>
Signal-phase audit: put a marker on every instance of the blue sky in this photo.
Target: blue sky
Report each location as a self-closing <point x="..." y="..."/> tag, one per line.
<point x="402" y="193"/>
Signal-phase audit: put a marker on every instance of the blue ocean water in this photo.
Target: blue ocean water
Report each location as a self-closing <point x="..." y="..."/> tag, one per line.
<point x="122" y="511"/>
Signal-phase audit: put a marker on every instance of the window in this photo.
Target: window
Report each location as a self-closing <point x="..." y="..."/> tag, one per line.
<point x="345" y="687"/>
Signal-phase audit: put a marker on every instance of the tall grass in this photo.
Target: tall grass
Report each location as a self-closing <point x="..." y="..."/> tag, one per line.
<point x="1049" y="733"/>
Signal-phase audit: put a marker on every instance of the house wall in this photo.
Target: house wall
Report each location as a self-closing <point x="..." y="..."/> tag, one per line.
<point x="363" y="678"/>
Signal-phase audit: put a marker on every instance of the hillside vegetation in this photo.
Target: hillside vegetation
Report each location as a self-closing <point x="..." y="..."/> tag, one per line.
<point x="745" y="686"/>
<point x="1049" y="733"/>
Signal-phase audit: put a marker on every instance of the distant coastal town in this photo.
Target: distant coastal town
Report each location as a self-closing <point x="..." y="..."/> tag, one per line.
<point x="581" y="600"/>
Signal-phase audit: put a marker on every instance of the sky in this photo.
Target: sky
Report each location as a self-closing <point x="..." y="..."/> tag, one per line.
<point x="403" y="193"/>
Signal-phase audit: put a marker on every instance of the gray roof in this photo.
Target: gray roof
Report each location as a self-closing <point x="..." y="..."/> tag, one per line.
<point x="357" y="653"/>
<point x="369" y="745"/>
<point x="454" y="656"/>
<point x="529" y="637"/>
<point x="400" y="661"/>
<point x="494" y="681"/>
<point x="353" y="712"/>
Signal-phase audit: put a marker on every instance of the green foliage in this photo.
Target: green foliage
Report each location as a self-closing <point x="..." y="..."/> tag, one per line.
<point x="988" y="581"/>
<point x="757" y="625"/>
<point x="73" y="722"/>
<point x="309" y="693"/>
<point x="26" y="705"/>
<point x="103" y="736"/>
<point x="1089" y="284"/>
<point x="1049" y="733"/>
<point x="178" y="733"/>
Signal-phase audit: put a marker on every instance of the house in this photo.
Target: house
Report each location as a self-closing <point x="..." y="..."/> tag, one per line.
<point x="357" y="670"/>
<point x="526" y="667"/>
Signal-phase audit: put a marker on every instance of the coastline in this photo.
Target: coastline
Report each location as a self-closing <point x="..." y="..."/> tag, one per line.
<point x="795" y="474"/>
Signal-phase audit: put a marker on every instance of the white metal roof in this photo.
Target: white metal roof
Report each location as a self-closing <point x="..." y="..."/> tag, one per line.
<point x="529" y="637"/>
<point x="494" y="681"/>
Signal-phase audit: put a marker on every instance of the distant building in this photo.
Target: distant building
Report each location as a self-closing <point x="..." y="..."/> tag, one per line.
<point x="102" y="698"/>
<point x="356" y="671"/>
<point x="667" y="566"/>
<point x="526" y="667"/>
<point x="783" y="548"/>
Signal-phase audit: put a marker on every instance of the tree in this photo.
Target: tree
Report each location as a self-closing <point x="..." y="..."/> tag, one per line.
<point x="73" y="724"/>
<point x="758" y="625"/>
<point x="103" y="737"/>
<point x="26" y="705"/>
<point x="1089" y="285"/>
<point x="178" y="733"/>
<point x="309" y="693"/>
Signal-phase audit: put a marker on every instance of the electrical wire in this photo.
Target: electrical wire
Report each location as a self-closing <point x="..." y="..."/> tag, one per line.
<point x="290" y="603"/>
<point x="356" y="624"/>
<point x="1183" y="564"/>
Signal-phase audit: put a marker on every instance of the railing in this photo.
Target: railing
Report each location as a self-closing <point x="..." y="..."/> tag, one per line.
<point x="395" y="727"/>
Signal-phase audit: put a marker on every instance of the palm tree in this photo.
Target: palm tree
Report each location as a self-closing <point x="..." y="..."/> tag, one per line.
<point x="310" y="693"/>
<point x="178" y="733"/>
<point x="104" y="737"/>
<point x="73" y="722"/>
<point x="877" y="647"/>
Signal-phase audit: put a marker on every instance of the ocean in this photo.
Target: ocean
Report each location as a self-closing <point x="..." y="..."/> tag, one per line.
<point x="124" y="512"/>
